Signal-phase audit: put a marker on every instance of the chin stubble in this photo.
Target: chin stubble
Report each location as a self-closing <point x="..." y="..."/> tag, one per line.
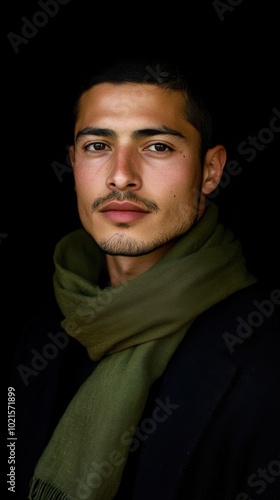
<point x="124" y="245"/>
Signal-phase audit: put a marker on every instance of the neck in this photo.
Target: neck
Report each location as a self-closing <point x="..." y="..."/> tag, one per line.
<point x="122" y="268"/>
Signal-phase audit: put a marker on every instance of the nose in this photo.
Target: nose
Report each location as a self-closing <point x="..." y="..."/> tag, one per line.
<point x="124" y="173"/>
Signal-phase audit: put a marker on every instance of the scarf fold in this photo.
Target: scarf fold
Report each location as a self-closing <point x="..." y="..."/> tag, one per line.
<point x="132" y="330"/>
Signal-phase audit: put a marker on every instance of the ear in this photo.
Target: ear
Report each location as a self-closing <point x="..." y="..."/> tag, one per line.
<point x="72" y="159"/>
<point x="72" y="154"/>
<point x="214" y="162"/>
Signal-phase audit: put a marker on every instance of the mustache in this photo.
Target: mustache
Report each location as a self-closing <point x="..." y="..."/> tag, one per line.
<point x="127" y="196"/>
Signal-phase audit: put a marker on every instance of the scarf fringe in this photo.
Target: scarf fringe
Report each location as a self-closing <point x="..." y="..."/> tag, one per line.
<point x="39" y="490"/>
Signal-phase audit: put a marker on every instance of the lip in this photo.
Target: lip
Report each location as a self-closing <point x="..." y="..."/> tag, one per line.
<point x="122" y="206"/>
<point x="123" y="212"/>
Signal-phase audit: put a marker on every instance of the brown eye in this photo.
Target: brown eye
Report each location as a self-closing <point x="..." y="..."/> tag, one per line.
<point x="96" y="146"/>
<point x="159" y="147"/>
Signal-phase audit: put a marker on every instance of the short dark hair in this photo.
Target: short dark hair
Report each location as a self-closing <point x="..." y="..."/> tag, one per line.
<point x="165" y="74"/>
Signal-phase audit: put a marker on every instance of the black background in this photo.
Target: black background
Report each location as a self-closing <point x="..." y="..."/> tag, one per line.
<point x="233" y="45"/>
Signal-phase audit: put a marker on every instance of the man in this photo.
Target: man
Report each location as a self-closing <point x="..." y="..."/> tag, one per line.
<point x="157" y="374"/>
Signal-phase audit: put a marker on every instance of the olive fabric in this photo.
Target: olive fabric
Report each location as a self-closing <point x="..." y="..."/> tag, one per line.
<point x="133" y="331"/>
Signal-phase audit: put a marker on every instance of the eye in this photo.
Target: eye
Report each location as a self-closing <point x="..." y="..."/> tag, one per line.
<point x="159" y="147"/>
<point x="96" y="146"/>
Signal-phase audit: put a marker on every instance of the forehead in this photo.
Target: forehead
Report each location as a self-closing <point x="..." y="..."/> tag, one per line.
<point x="109" y="102"/>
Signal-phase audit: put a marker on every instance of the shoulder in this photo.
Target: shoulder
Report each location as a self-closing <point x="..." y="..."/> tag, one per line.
<point x="242" y="334"/>
<point x="246" y="319"/>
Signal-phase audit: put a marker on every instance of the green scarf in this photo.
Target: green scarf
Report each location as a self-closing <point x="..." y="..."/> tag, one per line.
<point x="133" y="329"/>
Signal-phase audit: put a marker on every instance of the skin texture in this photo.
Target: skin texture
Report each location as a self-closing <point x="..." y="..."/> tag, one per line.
<point x="133" y="143"/>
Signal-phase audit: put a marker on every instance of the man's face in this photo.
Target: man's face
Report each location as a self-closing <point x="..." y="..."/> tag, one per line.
<point x="136" y="164"/>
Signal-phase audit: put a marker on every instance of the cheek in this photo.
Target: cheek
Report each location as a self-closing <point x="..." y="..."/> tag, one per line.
<point x="180" y="188"/>
<point x="85" y="183"/>
<point x="82" y="175"/>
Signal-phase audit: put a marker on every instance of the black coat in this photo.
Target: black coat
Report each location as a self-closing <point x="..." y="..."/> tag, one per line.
<point x="211" y="427"/>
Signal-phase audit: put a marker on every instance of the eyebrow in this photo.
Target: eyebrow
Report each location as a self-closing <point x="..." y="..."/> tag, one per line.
<point x="145" y="132"/>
